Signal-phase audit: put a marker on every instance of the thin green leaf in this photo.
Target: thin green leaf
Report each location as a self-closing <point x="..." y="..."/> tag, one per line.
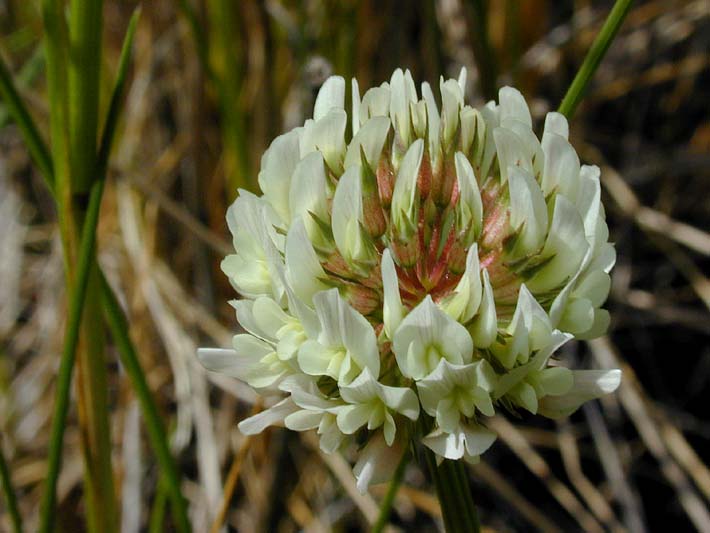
<point x="594" y="56"/>
<point x="55" y="45"/>
<point x="116" y="97"/>
<point x="78" y="292"/>
<point x="17" y="110"/>
<point x="71" y="339"/>
<point x="156" y="431"/>
<point x="10" y="497"/>
<point x="85" y="26"/>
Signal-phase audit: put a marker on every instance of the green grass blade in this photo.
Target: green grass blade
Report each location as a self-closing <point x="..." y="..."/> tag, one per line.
<point x="156" y="431"/>
<point x="114" y="106"/>
<point x="594" y="56"/>
<point x="71" y="339"/>
<point x="85" y="27"/>
<point x="55" y="46"/>
<point x="10" y="497"/>
<point x="78" y="296"/>
<point x="117" y="322"/>
<point x="17" y="110"/>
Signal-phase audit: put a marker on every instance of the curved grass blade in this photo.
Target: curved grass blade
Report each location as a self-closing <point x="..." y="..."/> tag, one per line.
<point x="594" y="56"/>
<point x="17" y="110"/>
<point x="71" y="340"/>
<point x="170" y="479"/>
<point x="78" y="292"/>
<point x="10" y="497"/>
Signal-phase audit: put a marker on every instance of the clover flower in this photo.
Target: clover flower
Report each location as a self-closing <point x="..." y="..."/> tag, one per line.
<point x="410" y="255"/>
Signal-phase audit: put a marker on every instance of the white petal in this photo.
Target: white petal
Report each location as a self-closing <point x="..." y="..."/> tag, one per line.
<point x="510" y="379"/>
<point x="359" y="338"/>
<point x="376" y="464"/>
<point x="246" y="319"/>
<point x="303" y="269"/>
<point x="469" y="209"/>
<point x="578" y="315"/>
<point x="331" y="95"/>
<point x="588" y="385"/>
<point x="227" y="362"/>
<point x="375" y="103"/>
<point x="392" y="310"/>
<point x="303" y="420"/>
<point x="556" y="123"/>
<point x="427" y="327"/>
<point x="352" y="417"/>
<point x="511" y="152"/>
<point x="432" y="114"/>
<point x="401" y="399"/>
<point x="402" y="94"/>
<point x="362" y="390"/>
<point x="513" y="105"/>
<point x="314" y="358"/>
<point x="343" y="326"/>
<point x="451" y="104"/>
<point x="485" y="326"/>
<point x="561" y="166"/>
<point x="477" y="439"/>
<point x="465" y="300"/>
<point x="589" y="199"/>
<point x="469" y="119"/>
<point x="370" y="140"/>
<point x="447" y="445"/>
<point x="355" y="116"/>
<point x="404" y="197"/>
<point x="277" y="164"/>
<point x="599" y="327"/>
<point x="274" y="415"/>
<point x="347" y="217"/>
<point x="528" y="211"/>
<point x="330" y="435"/>
<point x="462" y="80"/>
<point x="308" y="194"/>
<point x="554" y="381"/>
<point x="566" y="245"/>
<point x="269" y="316"/>
<point x="326" y="135"/>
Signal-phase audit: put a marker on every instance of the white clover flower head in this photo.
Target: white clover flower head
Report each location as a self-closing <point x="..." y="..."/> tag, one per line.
<point x="416" y="263"/>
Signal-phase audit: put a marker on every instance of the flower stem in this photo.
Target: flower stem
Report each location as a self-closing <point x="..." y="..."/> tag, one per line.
<point x="388" y="500"/>
<point x="457" y="506"/>
<point x="594" y="56"/>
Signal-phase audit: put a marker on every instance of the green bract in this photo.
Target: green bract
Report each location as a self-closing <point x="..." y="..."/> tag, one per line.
<point x="426" y="255"/>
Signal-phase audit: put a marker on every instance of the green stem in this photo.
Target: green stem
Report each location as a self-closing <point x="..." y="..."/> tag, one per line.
<point x="388" y="500"/>
<point x="482" y="50"/>
<point x="156" y="523"/>
<point x="20" y="115"/>
<point x="594" y="56"/>
<point x="10" y="497"/>
<point x="78" y="294"/>
<point x="156" y="431"/>
<point x="71" y="340"/>
<point x="457" y="507"/>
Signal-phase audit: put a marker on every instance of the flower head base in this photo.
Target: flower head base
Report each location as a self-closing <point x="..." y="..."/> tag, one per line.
<point x="437" y="256"/>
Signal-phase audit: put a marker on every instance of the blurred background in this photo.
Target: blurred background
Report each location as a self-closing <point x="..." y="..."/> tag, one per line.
<point x="212" y="82"/>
